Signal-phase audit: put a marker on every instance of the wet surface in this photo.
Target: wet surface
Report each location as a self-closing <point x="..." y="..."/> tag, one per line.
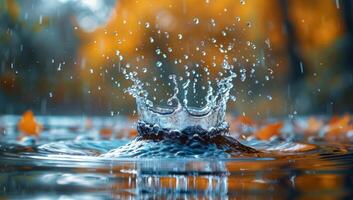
<point x="65" y="161"/>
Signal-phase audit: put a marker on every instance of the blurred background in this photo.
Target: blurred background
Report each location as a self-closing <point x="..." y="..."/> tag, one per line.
<point x="64" y="57"/>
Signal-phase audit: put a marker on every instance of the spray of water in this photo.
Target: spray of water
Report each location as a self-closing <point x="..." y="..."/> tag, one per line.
<point x="178" y="114"/>
<point x="180" y="130"/>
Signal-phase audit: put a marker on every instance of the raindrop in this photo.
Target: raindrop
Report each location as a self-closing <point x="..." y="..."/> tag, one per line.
<point x="159" y="63"/>
<point x="180" y="36"/>
<point x="301" y="68"/>
<point x="158" y="51"/>
<point x="196" y="20"/>
<point x="213" y="22"/>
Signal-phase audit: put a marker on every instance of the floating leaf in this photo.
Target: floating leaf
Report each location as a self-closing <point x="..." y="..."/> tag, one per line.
<point x="28" y="124"/>
<point x="338" y="127"/>
<point x="269" y="131"/>
<point x="106" y="133"/>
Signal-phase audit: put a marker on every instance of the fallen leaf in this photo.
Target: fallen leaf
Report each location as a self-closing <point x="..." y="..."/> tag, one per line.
<point x="28" y="124"/>
<point x="313" y="126"/>
<point x="338" y="127"/>
<point x="245" y="120"/>
<point x="106" y="132"/>
<point x="132" y="133"/>
<point x="269" y="131"/>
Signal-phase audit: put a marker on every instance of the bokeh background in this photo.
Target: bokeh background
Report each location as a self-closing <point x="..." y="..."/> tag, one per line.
<point x="64" y="57"/>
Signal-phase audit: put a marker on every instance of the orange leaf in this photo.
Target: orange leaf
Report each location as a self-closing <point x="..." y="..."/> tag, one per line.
<point x="338" y="126"/>
<point x="245" y="120"/>
<point x="106" y="132"/>
<point x="314" y="126"/>
<point x="269" y="131"/>
<point x="132" y="133"/>
<point x="28" y="124"/>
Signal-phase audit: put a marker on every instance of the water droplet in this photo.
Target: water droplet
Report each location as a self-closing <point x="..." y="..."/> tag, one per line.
<point x="225" y="64"/>
<point x="196" y="20"/>
<point x="147" y="25"/>
<point x="180" y="36"/>
<point x="213" y="22"/>
<point x="159" y="63"/>
<point x="158" y="51"/>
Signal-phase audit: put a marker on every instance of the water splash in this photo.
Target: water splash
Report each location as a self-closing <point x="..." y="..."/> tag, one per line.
<point x="178" y="114"/>
<point x="180" y="130"/>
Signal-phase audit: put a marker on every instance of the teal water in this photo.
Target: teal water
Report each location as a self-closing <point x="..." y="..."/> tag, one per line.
<point x="69" y="160"/>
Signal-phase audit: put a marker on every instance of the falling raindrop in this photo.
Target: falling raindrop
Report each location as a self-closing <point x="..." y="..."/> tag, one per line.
<point x="196" y="20"/>
<point x="159" y="63"/>
<point x="180" y="36"/>
<point x="301" y="68"/>
<point x="147" y="25"/>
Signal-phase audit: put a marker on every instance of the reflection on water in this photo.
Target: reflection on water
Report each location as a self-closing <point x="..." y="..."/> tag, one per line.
<point x="63" y="163"/>
<point x="184" y="179"/>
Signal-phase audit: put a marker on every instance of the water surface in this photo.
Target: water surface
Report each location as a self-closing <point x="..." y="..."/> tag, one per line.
<point x="66" y="162"/>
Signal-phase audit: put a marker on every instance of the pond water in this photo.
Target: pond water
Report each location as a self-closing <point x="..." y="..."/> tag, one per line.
<point x="69" y="160"/>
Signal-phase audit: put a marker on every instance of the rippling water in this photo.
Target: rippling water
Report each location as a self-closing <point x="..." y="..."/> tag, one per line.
<point x="66" y="162"/>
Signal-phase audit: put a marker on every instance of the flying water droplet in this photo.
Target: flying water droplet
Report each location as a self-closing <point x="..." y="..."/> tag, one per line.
<point x="180" y="36"/>
<point x="159" y="64"/>
<point x="196" y="20"/>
